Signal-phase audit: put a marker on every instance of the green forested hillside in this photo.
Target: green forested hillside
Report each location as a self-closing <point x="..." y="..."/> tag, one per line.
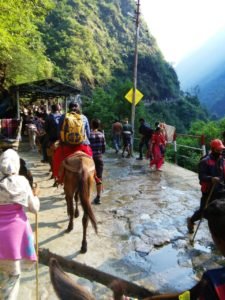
<point x="22" y="52"/>
<point x="90" y="44"/>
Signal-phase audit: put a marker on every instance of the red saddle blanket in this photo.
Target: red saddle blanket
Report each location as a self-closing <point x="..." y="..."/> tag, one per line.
<point x="62" y="152"/>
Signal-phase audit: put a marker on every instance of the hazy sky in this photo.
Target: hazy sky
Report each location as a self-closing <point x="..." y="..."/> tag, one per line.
<point x="180" y="26"/>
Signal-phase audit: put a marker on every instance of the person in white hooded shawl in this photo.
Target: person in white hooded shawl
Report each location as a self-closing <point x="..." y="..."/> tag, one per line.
<point x="16" y="235"/>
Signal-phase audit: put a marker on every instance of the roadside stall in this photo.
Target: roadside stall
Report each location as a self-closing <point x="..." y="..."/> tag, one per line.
<point x="43" y="91"/>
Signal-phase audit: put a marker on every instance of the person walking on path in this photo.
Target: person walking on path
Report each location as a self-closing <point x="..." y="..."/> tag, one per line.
<point x="127" y="138"/>
<point x="117" y="129"/>
<point x="52" y="124"/>
<point x="146" y="134"/>
<point x="157" y="149"/>
<point x="65" y="149"/>
<point x="52" y="131"/>
<point x="32" y="131"/>
<point x="16" y="236"/>
<point x="211" y="175"/>
<point x="97" y="142"/>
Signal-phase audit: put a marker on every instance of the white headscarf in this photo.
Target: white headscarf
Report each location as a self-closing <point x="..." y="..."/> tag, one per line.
<point x="9" y="162"/>
<point x="13" y="188"/>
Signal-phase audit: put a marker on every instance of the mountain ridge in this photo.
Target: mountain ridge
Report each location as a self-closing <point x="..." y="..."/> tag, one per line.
<point x="203" y="72"/>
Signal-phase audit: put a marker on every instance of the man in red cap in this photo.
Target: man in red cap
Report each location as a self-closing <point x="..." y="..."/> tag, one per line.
<point x="211" y="178"/>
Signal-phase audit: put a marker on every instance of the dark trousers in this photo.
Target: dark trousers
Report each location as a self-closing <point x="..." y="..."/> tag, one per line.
<point x="204" y="202"/>
<point x="99" y="164"/>
<point x="44" y="140"/>
<point x="144" y="141"/>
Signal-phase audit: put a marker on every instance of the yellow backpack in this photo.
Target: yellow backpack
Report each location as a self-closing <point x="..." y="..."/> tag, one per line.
<point x="72" y="131"/>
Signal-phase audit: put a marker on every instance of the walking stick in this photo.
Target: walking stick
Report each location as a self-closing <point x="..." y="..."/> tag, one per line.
<point x="36" y="241"/>
<point x="206" y="204"/>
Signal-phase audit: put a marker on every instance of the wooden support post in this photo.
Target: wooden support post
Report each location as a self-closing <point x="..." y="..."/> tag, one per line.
<point x="18" y="104"/>
<point x="203" y="145"/>
<point x="175" y="147"/>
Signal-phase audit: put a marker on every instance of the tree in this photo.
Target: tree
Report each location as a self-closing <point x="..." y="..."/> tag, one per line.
<point x="21" y="49"/>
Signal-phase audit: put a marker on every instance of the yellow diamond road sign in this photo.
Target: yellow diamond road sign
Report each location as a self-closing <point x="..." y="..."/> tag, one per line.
<point x="138" y="94"/>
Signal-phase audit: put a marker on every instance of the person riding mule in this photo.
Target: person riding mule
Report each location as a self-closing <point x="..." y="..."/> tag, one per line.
<point x="73" y="166"/>
<point x="64" y="149"/>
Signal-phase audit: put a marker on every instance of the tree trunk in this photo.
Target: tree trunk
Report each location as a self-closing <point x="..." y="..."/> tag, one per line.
<point x="2" y="76"/>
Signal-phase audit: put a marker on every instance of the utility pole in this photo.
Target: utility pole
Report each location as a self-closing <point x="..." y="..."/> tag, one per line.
<point x="137" y="25"/>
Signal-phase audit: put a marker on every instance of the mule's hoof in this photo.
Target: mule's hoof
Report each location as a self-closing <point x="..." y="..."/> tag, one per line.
<point x="83" y="250"/>
<point x="55" y="184"/>
<point x="69" y="229"/>
<point x="83" y="247"/>
<point x="76" y="215"/>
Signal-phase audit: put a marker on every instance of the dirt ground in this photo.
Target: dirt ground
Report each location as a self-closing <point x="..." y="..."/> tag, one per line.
<point x="142" y="213"/>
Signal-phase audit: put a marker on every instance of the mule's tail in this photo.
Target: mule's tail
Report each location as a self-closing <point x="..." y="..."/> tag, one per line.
<point x="85" y="186"/>
<point x="64" y="286"/>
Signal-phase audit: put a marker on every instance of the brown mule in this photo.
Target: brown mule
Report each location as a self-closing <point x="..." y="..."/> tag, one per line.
<point x="64" y="286"/>
<point x="67" y="289"/>
<point x="78" y="172"/>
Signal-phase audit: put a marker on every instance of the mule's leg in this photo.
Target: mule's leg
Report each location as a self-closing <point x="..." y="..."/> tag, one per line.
<point x="69" y="189"/>
<point x="76" y="215"/>
<point x="85" y="220"/>
<point x="70" y="212"/>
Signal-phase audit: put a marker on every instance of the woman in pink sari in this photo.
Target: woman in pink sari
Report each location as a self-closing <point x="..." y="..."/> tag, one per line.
<point x="157" y="149"/>
<point x="16" y="236"/>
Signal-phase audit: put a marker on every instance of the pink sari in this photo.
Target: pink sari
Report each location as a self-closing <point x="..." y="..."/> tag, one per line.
<point x="15" y="234"/>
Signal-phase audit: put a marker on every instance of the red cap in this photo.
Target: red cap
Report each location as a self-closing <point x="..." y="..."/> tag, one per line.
<point x="217" y="145"/>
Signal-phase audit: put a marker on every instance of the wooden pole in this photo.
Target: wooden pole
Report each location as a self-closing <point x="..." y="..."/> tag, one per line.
<point x="92" y="274"/>
<point x="18" y="104"/>
<point x="36" y="241"/>
<point x="206" y="205"/>
<point x="137" y="22"/>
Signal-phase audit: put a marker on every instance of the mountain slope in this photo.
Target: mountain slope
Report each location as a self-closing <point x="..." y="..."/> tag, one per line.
<point x="91" y="42"/>
<point x="204" y="72"/>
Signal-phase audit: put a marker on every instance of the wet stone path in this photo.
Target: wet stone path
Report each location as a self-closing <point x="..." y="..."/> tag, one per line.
<point x="142" y="228"/>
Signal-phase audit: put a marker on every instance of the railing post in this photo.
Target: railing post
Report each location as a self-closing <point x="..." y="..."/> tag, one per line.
<point x="175" y="147"/>
<point x="203" y="145"/>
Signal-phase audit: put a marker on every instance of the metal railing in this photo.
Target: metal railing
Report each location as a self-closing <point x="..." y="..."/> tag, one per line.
<point x="201" y="149"/>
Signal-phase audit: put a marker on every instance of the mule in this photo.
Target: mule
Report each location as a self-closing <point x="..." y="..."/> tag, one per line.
<point x="64" y="286"/>
<point x="78" y="172"/>
<point x="67" y="289"/>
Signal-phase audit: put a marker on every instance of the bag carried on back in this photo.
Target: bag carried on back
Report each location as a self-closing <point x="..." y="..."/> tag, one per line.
<point x="72" y="131"/>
